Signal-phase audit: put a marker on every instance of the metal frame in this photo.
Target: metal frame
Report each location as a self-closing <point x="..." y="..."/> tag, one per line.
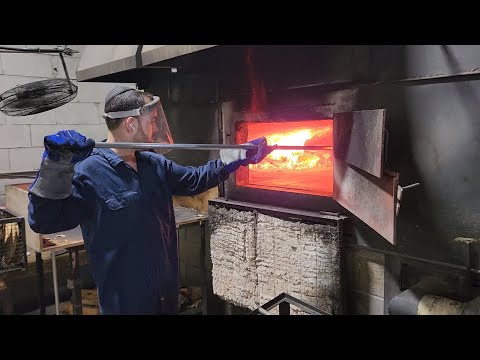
<point x="73" y="283"/>
<point x="58" y="50"/>
<point x="20" y="220"/>
<point x="283" y="301"/>
<point x="202" y="223"/>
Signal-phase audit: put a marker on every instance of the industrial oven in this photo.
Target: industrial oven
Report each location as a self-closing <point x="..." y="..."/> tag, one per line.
<point x="280" y="224"/>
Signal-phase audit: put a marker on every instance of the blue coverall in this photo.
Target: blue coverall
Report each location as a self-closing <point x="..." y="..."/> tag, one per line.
<point x="128" y="225"/>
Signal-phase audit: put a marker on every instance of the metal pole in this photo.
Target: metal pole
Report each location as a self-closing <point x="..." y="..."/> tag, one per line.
<point x="55" y="281"/>
<point x="152" y="146"/>
<point x="13" y="49"/>
<point x="41" y="283"/>
<point x="414" y="258"/>
<point x="76" y="287"/>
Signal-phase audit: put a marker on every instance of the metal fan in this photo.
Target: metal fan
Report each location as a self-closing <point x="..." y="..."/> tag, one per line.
<point x="38" y="96"/>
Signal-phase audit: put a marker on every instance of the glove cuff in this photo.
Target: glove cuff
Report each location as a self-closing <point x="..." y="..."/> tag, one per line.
<point x="229" y="156"/>
<point x="54" y="180"/>
<point x="232" y="158"/>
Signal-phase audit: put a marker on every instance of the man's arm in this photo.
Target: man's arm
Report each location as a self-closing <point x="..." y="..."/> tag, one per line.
<point x="57" y="196"/>
<point x="48" y="216"/>
<point x="189" y="180"/>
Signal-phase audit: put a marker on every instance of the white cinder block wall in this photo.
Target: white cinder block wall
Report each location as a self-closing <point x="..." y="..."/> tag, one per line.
<point x="21" y="138"/>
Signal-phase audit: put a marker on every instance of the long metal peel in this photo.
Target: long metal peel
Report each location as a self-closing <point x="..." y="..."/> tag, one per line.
<point x="153" y="146"/>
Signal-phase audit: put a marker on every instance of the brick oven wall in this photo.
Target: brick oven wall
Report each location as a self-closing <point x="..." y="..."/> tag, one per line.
<point x="256" y="257"/>
<point x="21" y="138"/>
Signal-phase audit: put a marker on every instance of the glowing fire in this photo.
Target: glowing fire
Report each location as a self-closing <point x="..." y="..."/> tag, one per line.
<point x="296" y="159"/>
<point x="308" y="172"/>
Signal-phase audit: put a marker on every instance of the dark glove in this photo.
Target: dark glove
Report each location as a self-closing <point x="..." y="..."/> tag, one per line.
<point x="62" y="151"/>
<point x="68" y="146"/>
<point x="234" y="158"/>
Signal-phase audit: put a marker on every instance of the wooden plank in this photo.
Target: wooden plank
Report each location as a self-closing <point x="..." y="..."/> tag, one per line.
<point x="198" y="202"/>
<point x="371" y="199"/>
<point x="66" y="308"/>
<point x="185" y="216"/>
<point x="62" y="240"/>
<point x="359" y="139"/>
<point x="89" y="297"/>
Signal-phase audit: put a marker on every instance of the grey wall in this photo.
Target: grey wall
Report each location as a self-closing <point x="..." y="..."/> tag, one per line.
<point x="21" y="137"/>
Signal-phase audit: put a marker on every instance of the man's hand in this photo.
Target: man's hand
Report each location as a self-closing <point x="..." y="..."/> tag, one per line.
<point x="68" y="146"/>
<point x="234" y="158"/>
<point x="62" y="151"/>
<point x="256" y="156"/>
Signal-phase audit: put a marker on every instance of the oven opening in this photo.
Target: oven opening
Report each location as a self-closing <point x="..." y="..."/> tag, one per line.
<point x="299" y="171"/>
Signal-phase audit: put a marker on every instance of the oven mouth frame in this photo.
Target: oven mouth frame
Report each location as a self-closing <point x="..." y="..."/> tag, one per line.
<point x="324" y="108"/>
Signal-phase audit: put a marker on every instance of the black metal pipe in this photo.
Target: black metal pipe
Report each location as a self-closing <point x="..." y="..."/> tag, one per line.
<point x="409" y="257"/>
<point x="341" y="85"/>
<point x="406" y="303"/>
<point x="284" y="308"/>
<point x="418" y="302"/>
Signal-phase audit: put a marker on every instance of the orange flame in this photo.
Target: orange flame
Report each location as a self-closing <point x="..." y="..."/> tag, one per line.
<point x="295" y="159"/>
<point x="308" y="172"/>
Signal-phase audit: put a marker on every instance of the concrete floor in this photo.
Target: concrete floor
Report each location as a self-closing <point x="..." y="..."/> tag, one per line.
<point x="49" y="310"/>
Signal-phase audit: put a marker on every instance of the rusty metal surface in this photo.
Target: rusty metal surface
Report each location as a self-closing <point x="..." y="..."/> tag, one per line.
<point x="314" y="216"/>
<point x="371" y="199"/>
<point x="358" y="139"/>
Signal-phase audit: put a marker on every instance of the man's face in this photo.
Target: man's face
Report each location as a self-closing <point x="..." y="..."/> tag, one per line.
<point x="147" y="127"/>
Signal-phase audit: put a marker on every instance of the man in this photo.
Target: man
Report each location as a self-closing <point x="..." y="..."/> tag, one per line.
<point x="122" y="199"/>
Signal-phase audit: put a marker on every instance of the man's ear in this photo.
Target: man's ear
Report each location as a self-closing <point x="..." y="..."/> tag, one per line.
<point x="130" y="122"/>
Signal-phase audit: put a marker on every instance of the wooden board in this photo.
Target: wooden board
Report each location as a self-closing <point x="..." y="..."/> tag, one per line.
<point x="62" y="239"/>
<point x="359" y="139"/>
<point x="198" y="202"/>
<point x="185" y="216"/>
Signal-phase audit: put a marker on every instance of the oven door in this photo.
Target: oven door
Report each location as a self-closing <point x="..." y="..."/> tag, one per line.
<point x="361" y="184"/>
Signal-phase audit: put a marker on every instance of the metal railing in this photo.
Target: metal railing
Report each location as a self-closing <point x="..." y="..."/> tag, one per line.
<point x="283" y="301"/>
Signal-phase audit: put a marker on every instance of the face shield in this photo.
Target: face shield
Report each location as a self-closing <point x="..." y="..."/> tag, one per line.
<point x="152" y="120"/>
